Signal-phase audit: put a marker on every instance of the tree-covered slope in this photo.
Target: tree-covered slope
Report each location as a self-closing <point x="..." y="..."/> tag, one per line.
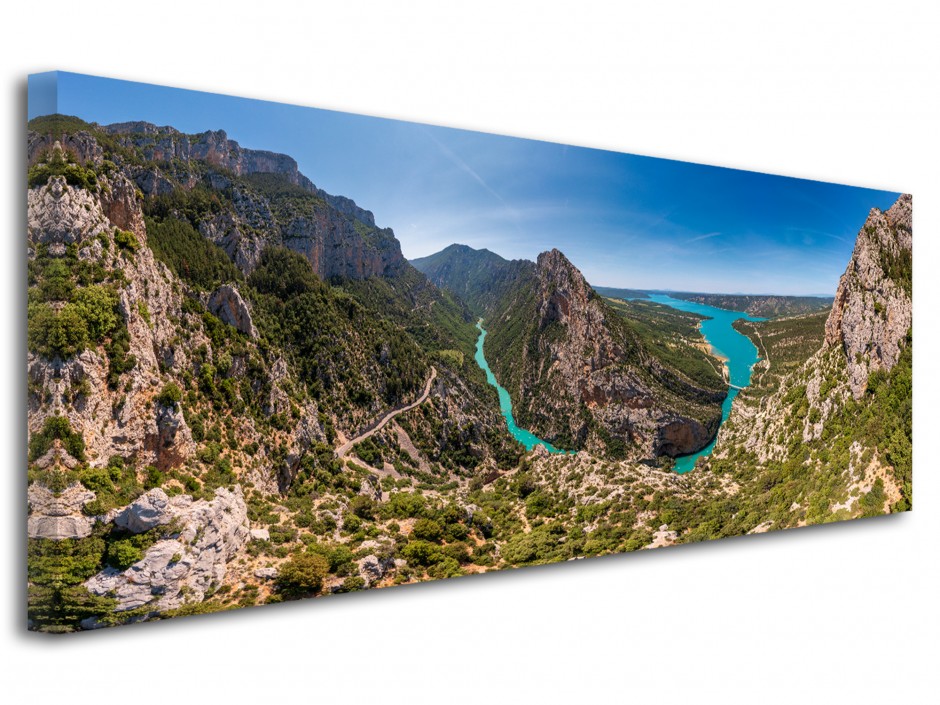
<point x="480" y="278"/>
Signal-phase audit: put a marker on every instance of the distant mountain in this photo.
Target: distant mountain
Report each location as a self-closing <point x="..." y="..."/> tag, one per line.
<point x="761" y="306"/>
<point x="615" y="293"/>
<point x="479" y="277"/>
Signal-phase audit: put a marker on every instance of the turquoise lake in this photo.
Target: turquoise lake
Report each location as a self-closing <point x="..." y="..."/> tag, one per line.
<point x="740" y="352"/>
<point x="526" y="438"/>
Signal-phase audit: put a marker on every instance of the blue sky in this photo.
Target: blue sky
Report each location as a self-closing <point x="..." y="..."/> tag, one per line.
<point x="624" y="220"/>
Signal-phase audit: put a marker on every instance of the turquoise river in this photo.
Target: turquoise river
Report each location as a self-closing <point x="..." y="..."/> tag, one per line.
<point x="526" y="438"/>
<point x="736" y="348"/>
<point x="738" y="351"/>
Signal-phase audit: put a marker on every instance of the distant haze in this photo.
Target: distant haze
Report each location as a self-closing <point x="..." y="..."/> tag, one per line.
<point x="626" y="221"/>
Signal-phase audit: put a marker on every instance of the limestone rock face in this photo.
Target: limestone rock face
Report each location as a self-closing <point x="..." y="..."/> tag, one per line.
<point x="372" y="568"/>
<point x="59" y="214"/>
<point x="335" y="248"/>
<point x="872" y="311"/>
<point x="597" y="368"/>
<point x="146" y="512"/>
<point x="184" y="567"/>
<point x="81" y="145"/>
<point x="328" y="231"/>
<point x="59" y="516"/>
<point x="226" y="303"/>
<point x="120" y="205"/>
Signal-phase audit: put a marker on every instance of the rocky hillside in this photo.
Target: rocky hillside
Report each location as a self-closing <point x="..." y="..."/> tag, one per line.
<point x="871" y="315"/>
<point x="578" y="372"/>
<point x="164" y="379"/>
<point x="480" y="278"/>
<point x="241" y="199"/>
<point x="826" y="434"/>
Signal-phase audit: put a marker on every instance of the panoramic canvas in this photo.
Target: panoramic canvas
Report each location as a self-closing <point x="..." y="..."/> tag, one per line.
<point x="278" y="352"/>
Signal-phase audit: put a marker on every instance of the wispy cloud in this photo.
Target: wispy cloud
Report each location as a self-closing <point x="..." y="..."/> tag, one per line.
<point x="463" y="166"/>
<point x="706" y="236"/>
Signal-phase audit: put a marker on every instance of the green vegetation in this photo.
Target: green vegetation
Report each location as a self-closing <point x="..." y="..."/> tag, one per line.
<point x="66" y="311"/>
<point x="193" y="258"/>
<point x="114" y="485"/>
<point x="673" y="337"/>
<point x="126" y="240"/>
<point x="62" y="164"/>
<point x="303" y="574"/>
<point x="57" y="600"/>
<point x="339" y="350"/>
<point x="787" y="343"/>
<point x="56" y="428"/>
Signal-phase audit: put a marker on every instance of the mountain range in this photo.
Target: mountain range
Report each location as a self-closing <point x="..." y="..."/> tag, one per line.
<point x="240" y="391"/>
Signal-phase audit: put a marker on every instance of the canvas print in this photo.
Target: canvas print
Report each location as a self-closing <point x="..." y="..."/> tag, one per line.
<point x="278" y="352"/>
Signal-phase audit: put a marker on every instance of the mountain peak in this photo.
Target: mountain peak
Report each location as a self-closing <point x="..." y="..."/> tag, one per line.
<point x="871" y="314"/>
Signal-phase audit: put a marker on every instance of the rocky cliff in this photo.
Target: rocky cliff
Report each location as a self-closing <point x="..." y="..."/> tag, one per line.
<point x="871" y="315"/>
<point x="162" y="379"/>
<point x="264" y="198"/>
<point x="825" y="431"/>
<point x="583" y="378"/>
<point x="188" y="560"/>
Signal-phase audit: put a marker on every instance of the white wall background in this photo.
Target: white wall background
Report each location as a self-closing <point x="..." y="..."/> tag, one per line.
<point x="835" y="91"/>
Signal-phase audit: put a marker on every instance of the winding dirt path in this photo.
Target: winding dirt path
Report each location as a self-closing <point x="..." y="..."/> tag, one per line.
<point x="344" y="449"/>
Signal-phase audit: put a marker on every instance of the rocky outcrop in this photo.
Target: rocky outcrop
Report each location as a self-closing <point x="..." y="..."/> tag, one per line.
<point x="148" y="511"/>
<point x="81" y="146"/>
<point x="339" y="238"/>
<point x="335" y="248"/>
<point x="59" y="214"/>
<point x="120" y="204"/>
<point x="185" y="566"/>
<point x="871" y="315"/>
<point x="599" y="374"/>
<point x="226" y="303"/>
<point x="372" y="568"/>
<point x="58" y="516"/>
<point x="112" y="420"/>
<point x="165" y="144"/>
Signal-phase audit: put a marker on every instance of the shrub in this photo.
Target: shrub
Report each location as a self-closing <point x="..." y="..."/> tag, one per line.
<point x="427" y="530"/>
<point x="123" y="554"/>
<point x="423" y="553"/>
<point x="52" y="334"/>
<point x="303" y="574"/>
<point x="362" y="506"/>
<point x="126" y="240"/>
<point x="57" y="427"/>
<point x="447" y="568"/>
<point x="170" y="395"/>
<point x="353" y="583"/>
<point x="98" y="306"/>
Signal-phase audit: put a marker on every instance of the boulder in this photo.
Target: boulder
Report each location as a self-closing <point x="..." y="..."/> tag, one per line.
<point x="372" y="568"/>
<point x="226" y="303"/>
<point x="266" y="573"/>
<point x="148" y="511"/>
<point x="184" y="567"/>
